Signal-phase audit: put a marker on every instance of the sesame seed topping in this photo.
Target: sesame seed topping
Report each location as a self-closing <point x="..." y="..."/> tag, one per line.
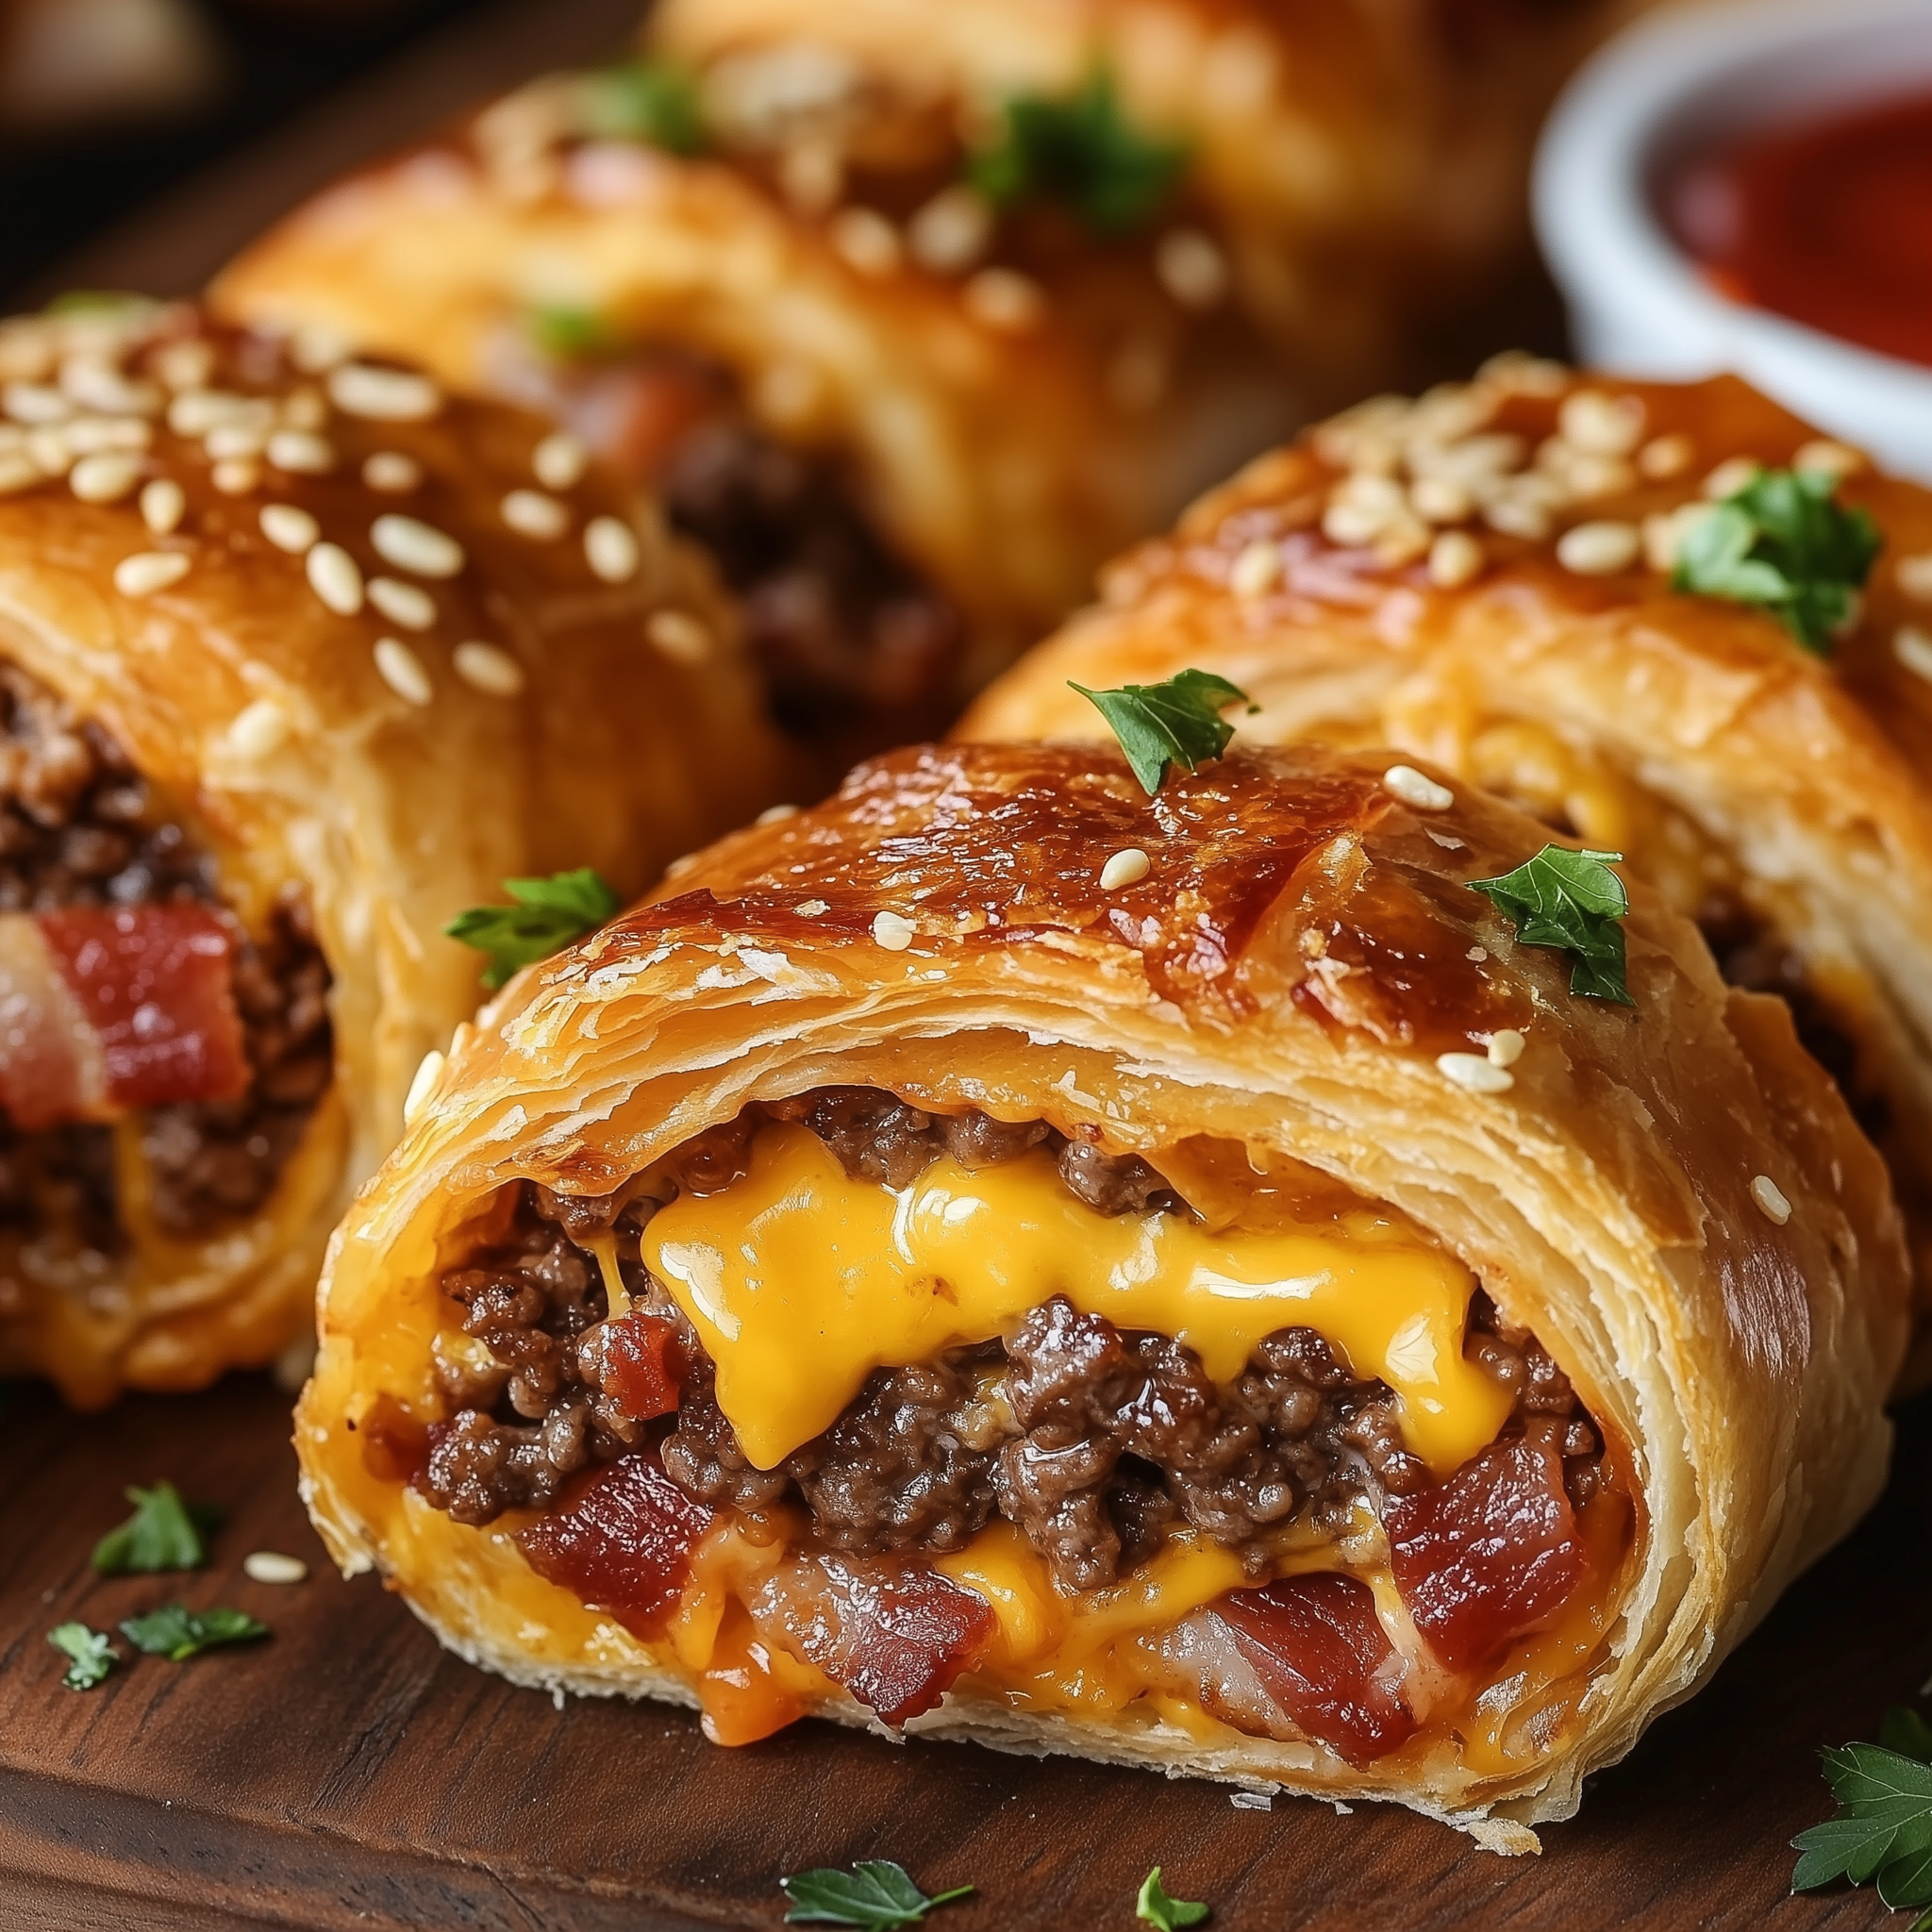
<point x="336" y="578"/>
<point x="1826" y="454"/>
<point x="776" y="815"/>
<point x="422" y="1085"/>
<point x="163" y="504"/>
<point x="301" y="451"/>
<point x="1127" y="867"/>
<point x="1441" y="499"/>
<point x="1192" y="268"/>
<point x="1476" y="955"/>
<point x="408" y="605"/>
<point x="289" y="527"/>
<point x="393" y="473"/>
<point x="893" y="932"/>
<point x="679" y="867"/>
<point x="559" y="461"/>
<point x="185" y="365"/>
<point x="1256" y="569"/>
<point x="866" y="242"/>
<point x="35" y="403"/>
<point x="148" y="571"/>
<point x="305" y="408"/>
<point x="950" y="233"/>
<point x="258" y="729"/>
<point x="1455" y="558"/>
<point x="1599" y="549"/>
<point x="610" y="548"/>
<point x="1912" y="647"/>
<point x="1417" y="789"/>
<point x="415" y="546"/>
<point x="237" y="476"/>
<point x="383" y="396"/>
<point x="810" y="908"/>
<point x="1506" y="1047"/>
<point x="1004" y="300"/>
<point x="95" y="384"/>
<point x="531" y="513"/>
<point x="402" y="670"/>
<point x="1731" y="475"/>
<point x="1474" y="1073"/>
<point x="1770" y="1199"/>
<point x="679" y="636"/>
<point x="105" y="478"/>
<point x="1665" y="456"/>
<point x="317" y="347"/>
<point x="228" y="440"/>
<point x="195" y="412"/>
<point x="271" y="1566"/>
<point x="51" y="450"/>
<point x="487" y="668"/>
<point x="1601" y="426"/>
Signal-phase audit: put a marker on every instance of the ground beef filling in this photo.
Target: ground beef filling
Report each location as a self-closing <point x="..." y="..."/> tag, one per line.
<point x="1092" y="1441"/>
<point x="78" y="828"/>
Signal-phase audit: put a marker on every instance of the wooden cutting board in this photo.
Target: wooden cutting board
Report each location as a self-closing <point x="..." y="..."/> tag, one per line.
<point x="348" y="1774"/>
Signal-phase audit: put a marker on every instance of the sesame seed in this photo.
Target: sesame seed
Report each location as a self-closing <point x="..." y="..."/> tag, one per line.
<point x="1915" y="576"/>
<point x="415" y="546"/>
<point x="195" y="412"/>
<point x="86" y="434"/>
<point x="105" y="478"/>
<point x="1192" y="268"/>
<point x="1417" y="789"/>
<point x="776" y="815"/>
<point x="1518" y="513"/>
<point x="1473" y="1072"/>
<point x="393" y="473"/>
<point x="408" y="605"/>
<point x="148" y="571"/>
<point x="228" y="440"/>
<point x="487" y="668"/>
<point x="98" y="385"/>
<point x="237" y="476"/>
<point x="305" y="408"/>
<point x="1127" y="867"/>
<point x="1826" y="454"/>
<point x="382" y="396"/>
<point x="185" y="365"/>
<point x="679" y="636"/>
<point x="1254" y="570"/>
<point x="301" y="451"/>
<point x="610" y="548"/>
<point x="258" y="729"/>
<point x="163" y="504"/>
<point x="422" y="1085"/>
<point x="1352" y="524"/>
<point x="402" y="672"/>
<point x="1665" y="456"/>
<point x="288" y="527"/>
<point x="1441" y="499"/>
<point x="866" y="242"/>
<point x="1599" y="549"/>
<point x="531" y="513"/>
<point x="1004" y="300"/>
<point x="893" y="932"/>
<point x="810" y="908"/>
<point x="1455" y="558"/>
<point x="35" y="403"/>
<point x="1601" y="426"/>
<point x="1912" y="647"/>
<point x="51" y="450"/>
<point x="271" y="1566"/>
<point x="336" y="578"/>
<point x="1770" y="1199"/>
<point x="1506" y="1047"/>
<point x="951" y="232"/>
<point x="559" y="461"/>
<point x="317" y="347"/>
<point x="1731" y="475"/>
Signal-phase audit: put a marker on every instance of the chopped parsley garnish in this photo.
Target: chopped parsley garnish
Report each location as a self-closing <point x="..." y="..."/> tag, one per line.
<point x="1883" y="1829"/>
<point x="176" y="1632"/>
<point x="875" y="1894"/>
<point x="1174" y="723"/>
<point x="1166" y="1914"/>
<point x="1785" y="542"/>
<point x="90" y="1655"/>
<point x="572" y="335"/>
<point x="644" y="100"/>
<point x="548" y="915"/>
<point x="164" y="1533"/>
<point x="1079" y="150"/>
<point x="1571" y="901"/>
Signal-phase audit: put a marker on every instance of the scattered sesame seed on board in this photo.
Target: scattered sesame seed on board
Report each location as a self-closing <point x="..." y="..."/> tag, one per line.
<point x="271" y="1566"/>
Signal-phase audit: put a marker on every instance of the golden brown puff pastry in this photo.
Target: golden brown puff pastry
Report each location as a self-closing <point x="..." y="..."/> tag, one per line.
<point x="911" y="421"/>
<point x="294" y="665"/>
<point x="1485" y="578"/>
<point x="1232" y="1309"/>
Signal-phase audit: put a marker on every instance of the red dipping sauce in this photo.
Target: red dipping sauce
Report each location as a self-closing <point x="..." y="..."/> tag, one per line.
<point x="1828" y="223"/>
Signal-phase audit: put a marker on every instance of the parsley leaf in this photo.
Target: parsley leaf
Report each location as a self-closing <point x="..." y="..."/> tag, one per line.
<point x="875" y="1894"/>
<point x="164" y="1533"/>
<point x="643" y="100"/>
<point x="1883" y="1829"/>
<point x="1174" y="723"/>
<point x="572" y="335"/>
<point x="547" y="916"/>
<point x="1785" y="542"/>
<point x="176" y="1632"/>
<point x="91" y="1655"/>
<point x="1571" y="901"/>
<point x="1166" y="1914"/>
<point x="1078" y="149"/>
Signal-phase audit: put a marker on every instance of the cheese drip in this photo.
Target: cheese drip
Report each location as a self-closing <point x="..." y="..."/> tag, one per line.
<point x="801" y="1281"/>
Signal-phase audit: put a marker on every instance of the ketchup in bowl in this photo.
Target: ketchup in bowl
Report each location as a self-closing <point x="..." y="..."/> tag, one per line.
<point x="1828" y="223"/>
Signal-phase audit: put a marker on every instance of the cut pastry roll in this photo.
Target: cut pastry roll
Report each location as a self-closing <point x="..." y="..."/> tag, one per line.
<point x="282" y="690"/>
<point x="1254" y="1320"/>
<point x="1648" y="614"/>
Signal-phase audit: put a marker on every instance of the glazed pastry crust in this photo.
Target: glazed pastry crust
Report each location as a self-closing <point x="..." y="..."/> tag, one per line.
<point x="261" y="720"/>
<point x="1604" y="1199"/>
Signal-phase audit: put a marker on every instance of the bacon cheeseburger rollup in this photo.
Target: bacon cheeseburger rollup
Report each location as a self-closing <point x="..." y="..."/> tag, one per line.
<point x="291" y="671"/>
<point x="1174" y="1281"/>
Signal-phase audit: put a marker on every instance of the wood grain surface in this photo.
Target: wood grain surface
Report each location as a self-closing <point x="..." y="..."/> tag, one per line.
<point x="348" y="1774"/>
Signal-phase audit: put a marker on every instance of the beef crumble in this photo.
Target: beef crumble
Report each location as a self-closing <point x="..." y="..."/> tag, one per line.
<point x="1092" y="1441"/>
<point x="79" y="826"/>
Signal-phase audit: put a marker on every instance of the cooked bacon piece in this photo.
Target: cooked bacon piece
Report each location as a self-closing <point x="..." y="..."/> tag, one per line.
<point x="1317" y="1645"/>
<point x="896" y="1637"/>
<point x="1491" y="1554"/>
<point x="154" y="984"/>
<point x="642" y="1365"/>
<point x="622" y="1540"/>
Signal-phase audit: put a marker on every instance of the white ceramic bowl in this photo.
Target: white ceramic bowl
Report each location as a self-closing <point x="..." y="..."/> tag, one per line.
<point x="1680" y="84"/>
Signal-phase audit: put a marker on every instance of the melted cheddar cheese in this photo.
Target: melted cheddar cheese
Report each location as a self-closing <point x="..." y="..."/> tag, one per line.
<point x="801" y="1281"/>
